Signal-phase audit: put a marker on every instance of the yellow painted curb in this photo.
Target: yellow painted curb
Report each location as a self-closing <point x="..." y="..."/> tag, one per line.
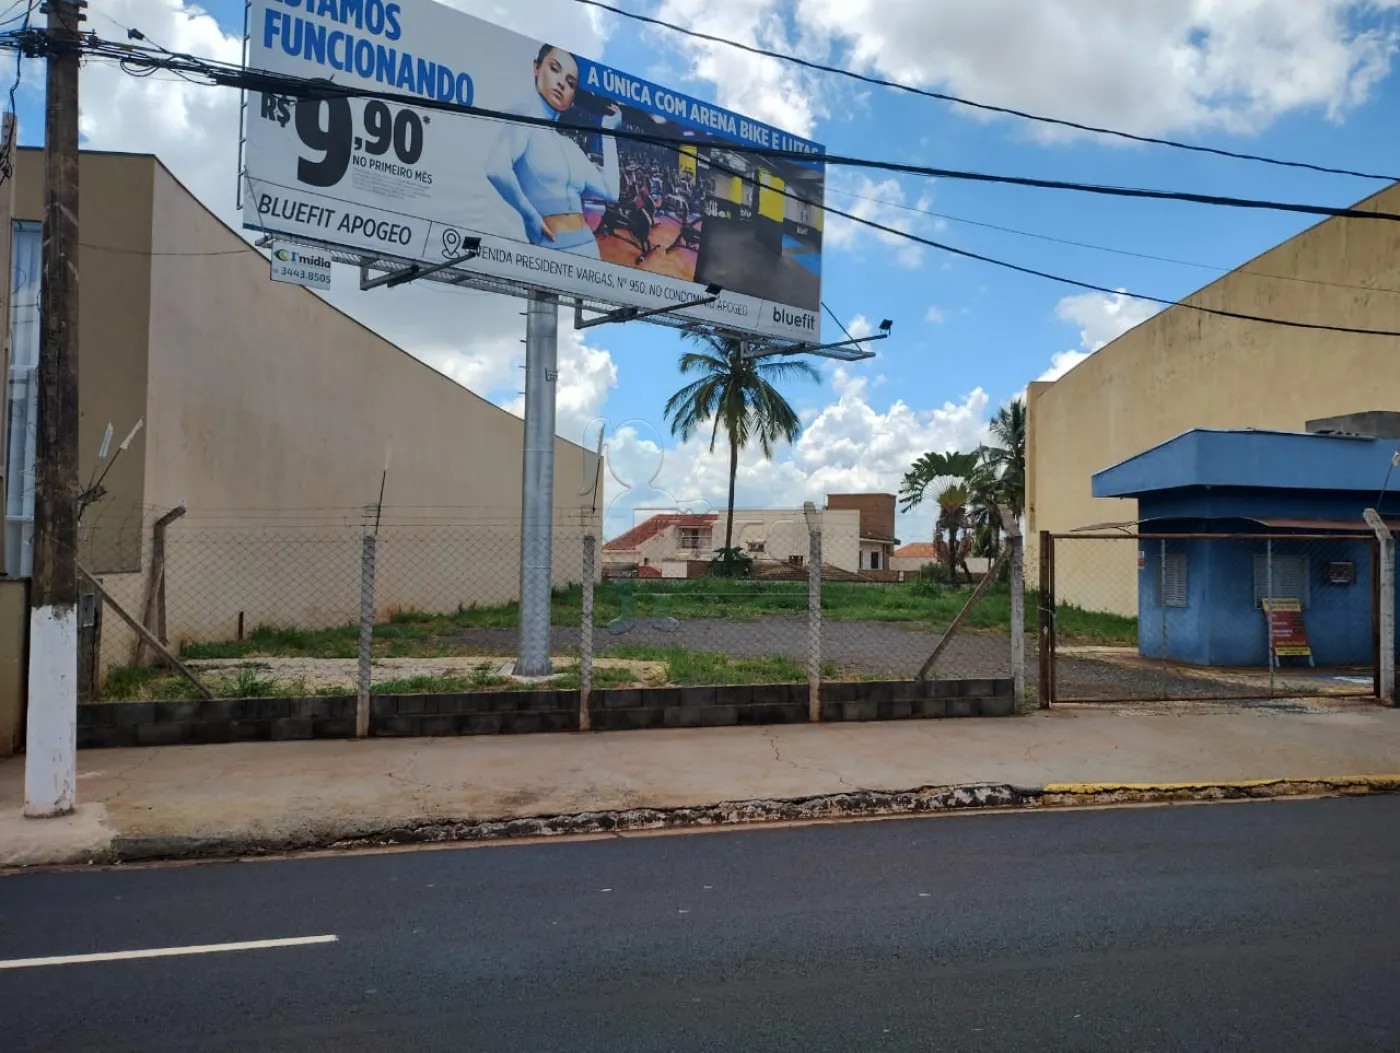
<point x="1070" y="792"/>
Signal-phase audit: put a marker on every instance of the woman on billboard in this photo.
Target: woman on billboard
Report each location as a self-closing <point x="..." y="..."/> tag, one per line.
<point x="543" y="173"/>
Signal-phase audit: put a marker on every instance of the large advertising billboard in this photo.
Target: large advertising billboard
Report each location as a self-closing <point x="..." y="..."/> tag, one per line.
<point x="646" y="224"/>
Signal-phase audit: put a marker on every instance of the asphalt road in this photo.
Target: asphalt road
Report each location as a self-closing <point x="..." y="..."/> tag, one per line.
<point x="1264" y="926"/>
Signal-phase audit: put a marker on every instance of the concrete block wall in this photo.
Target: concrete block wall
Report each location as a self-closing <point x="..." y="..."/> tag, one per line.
<point x="117" y="724"/>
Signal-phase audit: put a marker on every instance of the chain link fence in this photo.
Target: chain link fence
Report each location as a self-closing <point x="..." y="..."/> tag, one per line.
<point x="342" y="607"/>
<point x="1209" y="616"/>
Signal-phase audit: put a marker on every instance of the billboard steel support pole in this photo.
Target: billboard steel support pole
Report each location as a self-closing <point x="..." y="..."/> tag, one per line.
<point x="537" y="501"/>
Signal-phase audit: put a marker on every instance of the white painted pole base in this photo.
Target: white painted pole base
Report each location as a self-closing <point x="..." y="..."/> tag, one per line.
<point x="51" y="752"/>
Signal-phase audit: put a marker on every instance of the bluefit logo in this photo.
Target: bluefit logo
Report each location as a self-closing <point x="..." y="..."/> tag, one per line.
<point x="805" y="320"/>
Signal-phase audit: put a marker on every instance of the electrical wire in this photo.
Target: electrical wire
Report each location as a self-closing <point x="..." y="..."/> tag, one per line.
<point x="254" y="80"/>
<point x="120" y="251"/>
<point x="986" y="107"/>
<point x="1105" y="248"/>
<point x="229" y="75"/>
<point x="7" y="166"/>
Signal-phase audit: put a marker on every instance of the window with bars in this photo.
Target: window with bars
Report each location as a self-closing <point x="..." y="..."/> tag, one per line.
<point x="22" y="395"/>
<point x="1290" y="579"/>
<point x="1171" y="579"/>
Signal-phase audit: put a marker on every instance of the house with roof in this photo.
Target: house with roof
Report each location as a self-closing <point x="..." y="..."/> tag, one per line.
<point x="1292" y="505"/>
<point x="857" y="538"/>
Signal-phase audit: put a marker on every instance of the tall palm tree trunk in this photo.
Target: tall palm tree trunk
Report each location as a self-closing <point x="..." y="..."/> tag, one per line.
<point x="733" y="475"/>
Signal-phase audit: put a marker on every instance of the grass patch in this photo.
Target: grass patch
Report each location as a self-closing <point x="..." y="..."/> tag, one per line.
<point x="1077" y="625"/>
<point x="269" y="641"/>
<point x="145" y="684"/>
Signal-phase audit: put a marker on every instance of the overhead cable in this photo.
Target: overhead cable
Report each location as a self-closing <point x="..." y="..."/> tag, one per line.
<point x="987" y="107"/>
<point x="255" y="80"/>
<point x="230" y="75"/>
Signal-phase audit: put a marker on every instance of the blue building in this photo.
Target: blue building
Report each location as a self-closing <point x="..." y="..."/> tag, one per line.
<point x="1300" y="498"/>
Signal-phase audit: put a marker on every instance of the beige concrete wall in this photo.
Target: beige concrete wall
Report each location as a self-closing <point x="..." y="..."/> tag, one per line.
<point x="14" y="622"/>
<point x="1183" y="370"/>
<point x="269" y="417"/>
<point x="115" y="210"/>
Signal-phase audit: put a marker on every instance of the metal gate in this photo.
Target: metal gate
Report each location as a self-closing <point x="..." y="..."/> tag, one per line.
<point x="1192" y="616"/>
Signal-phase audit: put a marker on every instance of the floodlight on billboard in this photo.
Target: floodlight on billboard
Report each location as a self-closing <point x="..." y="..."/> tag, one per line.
<point x="568" y="209"/>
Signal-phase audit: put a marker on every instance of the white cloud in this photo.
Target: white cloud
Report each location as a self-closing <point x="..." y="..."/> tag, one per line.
<point x="474" y="338"/>
<point x="865" y="199"/>
<point x="1101" y="319"/>
<point x="777" y="92"/>
<point x="586" y="375"/>
<point x="1146" y="67"/>
<point x="1149" y="67"/>
<point x="936" y="315"/>
<point x="848" y="446"/>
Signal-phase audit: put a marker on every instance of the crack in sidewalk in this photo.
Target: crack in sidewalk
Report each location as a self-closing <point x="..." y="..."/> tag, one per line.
<point x="772" y="738"/>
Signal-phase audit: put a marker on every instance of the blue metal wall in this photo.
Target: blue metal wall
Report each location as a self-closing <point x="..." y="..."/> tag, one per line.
<point x="1221" y="626"/>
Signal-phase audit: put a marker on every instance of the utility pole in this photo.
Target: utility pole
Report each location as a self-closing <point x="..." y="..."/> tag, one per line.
<point x="50" y="768"/>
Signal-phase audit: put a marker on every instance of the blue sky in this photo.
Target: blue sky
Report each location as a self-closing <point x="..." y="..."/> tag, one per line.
<point x="1304" y="79"/>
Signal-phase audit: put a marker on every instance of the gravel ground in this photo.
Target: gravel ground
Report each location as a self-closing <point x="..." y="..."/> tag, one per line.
<point x="884" y="649"/>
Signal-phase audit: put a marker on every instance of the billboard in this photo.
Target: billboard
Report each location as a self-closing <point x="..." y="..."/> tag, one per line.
<point x="636" y="223"/>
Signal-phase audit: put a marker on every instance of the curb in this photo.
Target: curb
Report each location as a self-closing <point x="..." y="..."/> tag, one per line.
<point x="1070" y="794"/>
<point x="855" y="804"/>
<point x="851" y="805"/>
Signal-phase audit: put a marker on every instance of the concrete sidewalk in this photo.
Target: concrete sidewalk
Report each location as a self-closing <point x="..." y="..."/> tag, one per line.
<point x="258" y="797"/>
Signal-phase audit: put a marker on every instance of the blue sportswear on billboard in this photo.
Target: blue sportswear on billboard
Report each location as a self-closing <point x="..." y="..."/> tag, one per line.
<point x="565" y="207"/>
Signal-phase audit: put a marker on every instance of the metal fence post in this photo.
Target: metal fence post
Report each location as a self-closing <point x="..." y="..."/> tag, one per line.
<point x="1162" y="606"/>
<point x="814" y="613"/>
<point x="1269" y="610"/>
<point x="1045" y="614"/>
<point x="1018" y="610"/>
<point x="1385" y="554"/>
<point x="366" y="634"/>
<point x="585" y="640"/>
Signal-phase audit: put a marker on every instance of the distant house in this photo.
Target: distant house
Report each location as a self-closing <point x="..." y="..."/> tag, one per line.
<point x="857" y="537"/>
<point x="912" y="558"/>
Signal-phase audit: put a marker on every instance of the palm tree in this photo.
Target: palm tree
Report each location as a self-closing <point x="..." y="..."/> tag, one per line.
<point x="930" y="469"/>
<point x="952" y="523"/>
<point x="1007" y="458"/>
<point x="735" y="392"/>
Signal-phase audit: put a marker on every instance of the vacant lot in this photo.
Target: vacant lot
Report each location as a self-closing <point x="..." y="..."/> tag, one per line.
<point x="699" y="632"/>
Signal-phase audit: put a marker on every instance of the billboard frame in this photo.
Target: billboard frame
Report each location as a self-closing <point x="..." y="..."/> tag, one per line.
<point x="783" y="309"/>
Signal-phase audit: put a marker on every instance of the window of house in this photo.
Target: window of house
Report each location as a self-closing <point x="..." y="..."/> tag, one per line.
<point x="22" y="394"/>
<point x="692" y="539"/>
<point x="1290" y="579"/>
<point x="757" y="547"/>
<point x="1171" y="579"/>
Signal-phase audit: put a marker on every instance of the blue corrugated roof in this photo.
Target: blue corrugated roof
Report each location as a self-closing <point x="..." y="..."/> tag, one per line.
<point x="1277" y="460"/>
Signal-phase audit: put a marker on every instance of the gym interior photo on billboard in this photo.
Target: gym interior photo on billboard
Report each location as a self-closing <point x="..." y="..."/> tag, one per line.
<point x="702" y="211"/>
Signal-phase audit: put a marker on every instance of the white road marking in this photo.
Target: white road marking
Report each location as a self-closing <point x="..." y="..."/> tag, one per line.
<point x="165" y="952"/>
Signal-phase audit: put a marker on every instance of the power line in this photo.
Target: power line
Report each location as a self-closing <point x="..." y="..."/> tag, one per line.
<point x="987" y="107"/>
<point x="1092" y="287"/>
<point x="228" y="75"/>
<point x="238" y="77"/>
<point x="7" y="166"/>
<point x="1106" y="248"/>
<point x="120" y="251"/>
